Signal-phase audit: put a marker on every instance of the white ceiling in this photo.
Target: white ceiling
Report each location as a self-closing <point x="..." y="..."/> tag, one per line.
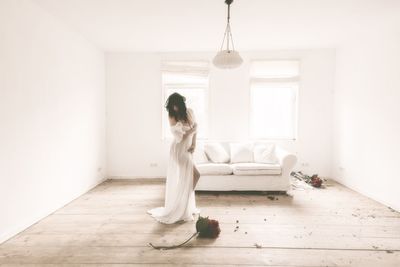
<point x="189" y="25"/>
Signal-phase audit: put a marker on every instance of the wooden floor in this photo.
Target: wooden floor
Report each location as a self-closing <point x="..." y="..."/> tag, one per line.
<point x="109" y="226"/>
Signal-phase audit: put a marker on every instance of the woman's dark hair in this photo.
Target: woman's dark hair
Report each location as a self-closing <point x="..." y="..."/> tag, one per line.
<point x="179" y="101"/>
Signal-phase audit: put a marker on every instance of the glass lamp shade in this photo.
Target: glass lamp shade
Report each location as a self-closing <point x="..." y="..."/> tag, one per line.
<point x="227" y="59"/>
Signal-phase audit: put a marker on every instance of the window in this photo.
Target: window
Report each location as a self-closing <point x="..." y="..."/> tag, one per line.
<point x="189" y="79"/>
<point x="273" y="96"/>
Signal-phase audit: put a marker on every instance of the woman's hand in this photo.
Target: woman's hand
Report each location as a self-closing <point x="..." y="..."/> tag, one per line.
<point x="190" y="131"/>
<point x="191" y="148"/>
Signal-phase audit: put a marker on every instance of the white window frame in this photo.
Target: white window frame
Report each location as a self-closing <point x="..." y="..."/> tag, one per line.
<point x="200" y="86"/>
<point x="275" y="82"/>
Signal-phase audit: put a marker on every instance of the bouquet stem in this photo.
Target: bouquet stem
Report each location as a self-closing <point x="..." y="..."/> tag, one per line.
<point x="174" y="246"/>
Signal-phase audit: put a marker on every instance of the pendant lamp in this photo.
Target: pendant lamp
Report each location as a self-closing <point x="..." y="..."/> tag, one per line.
<point x="227" y="58"/>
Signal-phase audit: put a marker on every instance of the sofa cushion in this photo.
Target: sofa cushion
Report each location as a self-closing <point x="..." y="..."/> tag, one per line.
<point x="216" y="152"/>
<point x="199" y="155"/>
<point x="241" y="152"/>
<point x="264" y="153"/>
<point x="214" y="169"/>
<point x="256" y="169"/>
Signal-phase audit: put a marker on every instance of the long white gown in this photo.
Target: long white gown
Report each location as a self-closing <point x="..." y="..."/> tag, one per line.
<point x="180" y="203"/>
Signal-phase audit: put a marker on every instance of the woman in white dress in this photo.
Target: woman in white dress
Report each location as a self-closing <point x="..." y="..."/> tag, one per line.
<point x="182" y="174"/>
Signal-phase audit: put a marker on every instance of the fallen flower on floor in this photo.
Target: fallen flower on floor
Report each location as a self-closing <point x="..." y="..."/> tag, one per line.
<point x="313" y="180"/>
<point x="316" y="181"/>
<point x="205" y="228"/>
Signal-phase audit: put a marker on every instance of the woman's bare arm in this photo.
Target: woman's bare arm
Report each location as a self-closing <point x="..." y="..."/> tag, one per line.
<point x="194" y="139"/>
<point x="193" y="146"/>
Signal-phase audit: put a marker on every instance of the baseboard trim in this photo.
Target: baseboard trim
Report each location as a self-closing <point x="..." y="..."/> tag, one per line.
<point x="4" y="237"/>
<point x="137" y="180"/>
<point x="135" y="177"/>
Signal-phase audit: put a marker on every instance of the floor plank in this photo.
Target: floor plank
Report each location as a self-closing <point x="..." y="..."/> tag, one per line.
<point x="200" y="255"/>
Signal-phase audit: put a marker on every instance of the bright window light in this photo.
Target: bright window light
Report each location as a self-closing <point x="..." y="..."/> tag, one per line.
<point x="273" y="93"/>
<point x="273" y="111"/>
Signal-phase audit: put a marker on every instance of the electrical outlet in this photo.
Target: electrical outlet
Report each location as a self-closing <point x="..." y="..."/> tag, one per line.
<point x="153" y="164"/>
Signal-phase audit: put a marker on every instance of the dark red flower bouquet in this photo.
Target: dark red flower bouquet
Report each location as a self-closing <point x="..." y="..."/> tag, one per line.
<point x="315" y="181"/>
<point x="205" y="228"/>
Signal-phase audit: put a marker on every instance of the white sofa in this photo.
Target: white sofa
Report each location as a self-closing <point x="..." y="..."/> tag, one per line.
<point x="244" y="173"/>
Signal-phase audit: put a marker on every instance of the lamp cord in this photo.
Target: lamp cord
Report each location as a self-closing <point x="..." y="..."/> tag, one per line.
<point x="228" y="32"/>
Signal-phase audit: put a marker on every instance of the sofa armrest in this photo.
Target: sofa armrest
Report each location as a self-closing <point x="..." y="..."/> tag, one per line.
<point x="286" y="159"/>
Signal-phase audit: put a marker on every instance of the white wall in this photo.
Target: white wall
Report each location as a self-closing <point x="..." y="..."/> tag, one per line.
<point x="134" y="109"/>
<point x="52" y="115"/>
<point x="367" y="117"/>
